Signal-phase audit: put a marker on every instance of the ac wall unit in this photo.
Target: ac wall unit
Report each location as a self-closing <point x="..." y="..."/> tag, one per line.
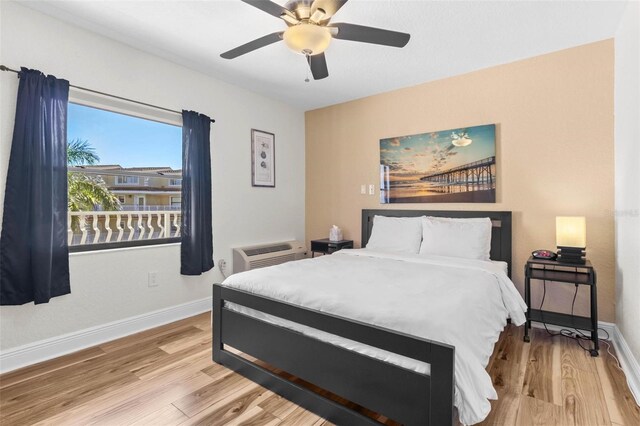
<point x="259" y="256"/>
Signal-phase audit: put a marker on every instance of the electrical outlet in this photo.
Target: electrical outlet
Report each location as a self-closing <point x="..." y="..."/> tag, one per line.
<point x="153" y="279"/>
<point x="363" y="189"/>
<point x="222" y="264"/>
<point x="372" y="189"/>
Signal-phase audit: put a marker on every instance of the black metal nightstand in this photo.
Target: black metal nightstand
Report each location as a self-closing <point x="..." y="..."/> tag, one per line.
<point x="326" y="246"/>
<point x="551" y="270"/>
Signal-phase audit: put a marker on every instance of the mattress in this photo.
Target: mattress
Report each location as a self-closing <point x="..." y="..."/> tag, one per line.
<point x="461" y="302"/>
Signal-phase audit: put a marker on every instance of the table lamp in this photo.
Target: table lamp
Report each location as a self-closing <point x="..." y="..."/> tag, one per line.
<point x="571" y="239"/>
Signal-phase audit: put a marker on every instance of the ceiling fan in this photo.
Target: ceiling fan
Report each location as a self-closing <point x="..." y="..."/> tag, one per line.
<point x="310" y="33"/>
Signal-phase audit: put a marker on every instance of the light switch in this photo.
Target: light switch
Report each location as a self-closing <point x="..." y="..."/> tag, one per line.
<point x="372" y="189"/>
<point x="363" y="189"/>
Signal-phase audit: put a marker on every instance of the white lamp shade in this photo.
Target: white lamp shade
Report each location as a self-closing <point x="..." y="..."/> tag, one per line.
<point x="571" y="231"/>
<point x="307" y="38"/>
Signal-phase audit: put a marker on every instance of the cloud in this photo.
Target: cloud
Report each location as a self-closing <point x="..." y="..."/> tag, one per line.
<point x="407" y="149"/>
<point x="441" y="155"/>
<point x="400" y="167"/>
<point x="395" y="142"/>
<point x="393" y="165"/>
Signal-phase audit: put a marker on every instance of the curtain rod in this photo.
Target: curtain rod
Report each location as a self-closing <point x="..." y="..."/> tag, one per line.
<point x="5" y="68"/>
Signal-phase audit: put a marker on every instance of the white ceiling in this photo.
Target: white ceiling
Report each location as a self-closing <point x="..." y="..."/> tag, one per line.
<point x="447" y="38"/>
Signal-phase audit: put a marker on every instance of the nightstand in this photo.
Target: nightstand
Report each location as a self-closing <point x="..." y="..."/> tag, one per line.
<point x="326" y="246"/>
<point x="559" y="272"/>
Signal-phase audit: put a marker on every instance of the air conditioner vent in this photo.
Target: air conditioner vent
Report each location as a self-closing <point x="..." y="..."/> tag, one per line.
<point x="267" y="249"/>
<point x="260" y="256"/>
<point x="276" y="260"/>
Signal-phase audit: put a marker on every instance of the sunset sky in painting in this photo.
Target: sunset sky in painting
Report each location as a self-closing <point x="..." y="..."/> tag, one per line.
<point x="425" y="153"/>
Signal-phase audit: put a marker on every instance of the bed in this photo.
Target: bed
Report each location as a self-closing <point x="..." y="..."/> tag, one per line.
<point x="396" y="353"/>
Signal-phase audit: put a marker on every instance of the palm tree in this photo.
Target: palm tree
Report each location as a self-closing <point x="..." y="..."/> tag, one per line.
<point x="86" y="191"/>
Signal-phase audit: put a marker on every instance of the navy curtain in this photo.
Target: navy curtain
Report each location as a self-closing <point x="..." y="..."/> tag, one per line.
<point x="196" y="251"/>
<point x="34" y="256"/>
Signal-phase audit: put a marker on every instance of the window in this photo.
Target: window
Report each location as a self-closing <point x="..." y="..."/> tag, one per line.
<point x="127" y="180"/>
<point x="118" y="193"/>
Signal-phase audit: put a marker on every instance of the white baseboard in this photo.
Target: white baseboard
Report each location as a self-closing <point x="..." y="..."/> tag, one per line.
<point x="628" y="362"/>
<point x="43" y="350"/>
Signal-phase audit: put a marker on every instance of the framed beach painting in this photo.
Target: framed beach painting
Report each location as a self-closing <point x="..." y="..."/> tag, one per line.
<point x="263" y="158"/>
<point x="447" y="166"/>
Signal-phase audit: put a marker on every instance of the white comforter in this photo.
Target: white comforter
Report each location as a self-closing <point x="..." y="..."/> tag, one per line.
<point x="464" y="303"/>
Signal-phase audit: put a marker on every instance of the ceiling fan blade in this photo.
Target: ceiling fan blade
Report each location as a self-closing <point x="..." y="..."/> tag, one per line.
<point x="270" y="7"/>
<point x="253" y="45"/>
<point x="370" y="35"/>
<point x="318" y="65"/>
<point x="330" y="7"/>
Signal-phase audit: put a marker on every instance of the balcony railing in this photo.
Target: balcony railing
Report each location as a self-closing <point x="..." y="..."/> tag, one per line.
<point x="145" y="208"/>
<point x="149" y="208"/>
<point x="97" y="227"/>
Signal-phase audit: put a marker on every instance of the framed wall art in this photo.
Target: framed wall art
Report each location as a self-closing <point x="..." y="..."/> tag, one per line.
<point x="447" y="166"/>
<point x="263" y="159"/>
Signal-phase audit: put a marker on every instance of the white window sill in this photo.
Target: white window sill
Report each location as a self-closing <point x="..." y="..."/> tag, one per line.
<point x="149" y="247"/>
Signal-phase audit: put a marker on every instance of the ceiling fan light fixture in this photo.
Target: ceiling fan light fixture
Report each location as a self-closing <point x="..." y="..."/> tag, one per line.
<point x="308" y="39"/>
<point x="317" y="16"/>
<point x="462" y="142"/>
<point x="460" y="138"/>
<point x="289" y="19"/>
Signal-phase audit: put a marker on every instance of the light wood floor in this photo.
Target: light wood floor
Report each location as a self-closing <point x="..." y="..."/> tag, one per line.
<point x="165" y="376"/>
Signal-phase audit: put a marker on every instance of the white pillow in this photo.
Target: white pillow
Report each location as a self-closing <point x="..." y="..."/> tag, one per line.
<point x="453" y="237"/>
<point x="396" y="234"/>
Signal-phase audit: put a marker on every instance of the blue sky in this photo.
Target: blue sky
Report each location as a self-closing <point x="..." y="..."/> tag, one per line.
<point x="128" y="141"/>
<point x="428" y="152"/>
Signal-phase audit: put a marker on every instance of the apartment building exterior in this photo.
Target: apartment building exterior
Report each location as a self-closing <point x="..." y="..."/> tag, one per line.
<point x="142" y="188"/>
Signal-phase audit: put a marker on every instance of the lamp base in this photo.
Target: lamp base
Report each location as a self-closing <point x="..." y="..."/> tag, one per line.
<point x="573" y="255"/>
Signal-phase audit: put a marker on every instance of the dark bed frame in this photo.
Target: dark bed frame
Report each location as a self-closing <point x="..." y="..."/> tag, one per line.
<point x="402" y="395"/>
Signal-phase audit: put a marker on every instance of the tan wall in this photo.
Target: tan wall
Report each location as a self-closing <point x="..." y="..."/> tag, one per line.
<point x="157" y="200"/>
<point x="554" y="116"/>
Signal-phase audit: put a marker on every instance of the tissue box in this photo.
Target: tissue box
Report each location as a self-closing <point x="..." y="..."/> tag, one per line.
<point x="335" y="234"/>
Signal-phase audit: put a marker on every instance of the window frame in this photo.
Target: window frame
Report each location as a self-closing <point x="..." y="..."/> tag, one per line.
<point x="179" y="202"/>
<point x="109" y="104"/>
<point x="137" y="182"/>
<point x="81" y="248"/>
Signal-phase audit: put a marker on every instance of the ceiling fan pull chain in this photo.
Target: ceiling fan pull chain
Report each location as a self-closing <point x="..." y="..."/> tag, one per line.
<point x="306" y="80"/>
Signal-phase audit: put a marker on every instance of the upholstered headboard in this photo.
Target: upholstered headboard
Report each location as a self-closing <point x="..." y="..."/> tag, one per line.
<point x="500" y="232"/>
